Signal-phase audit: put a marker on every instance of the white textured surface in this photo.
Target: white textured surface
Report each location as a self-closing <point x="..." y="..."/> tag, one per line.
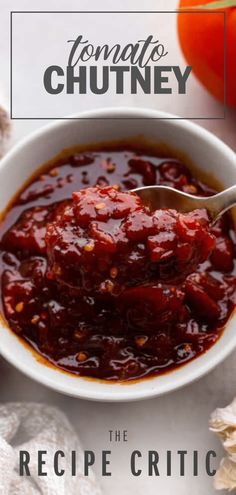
<point x="34" y="427"/>
<point x="174" y="422"/>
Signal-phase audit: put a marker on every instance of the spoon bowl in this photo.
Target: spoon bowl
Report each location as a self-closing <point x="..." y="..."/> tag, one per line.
<point x="156" y="197"/>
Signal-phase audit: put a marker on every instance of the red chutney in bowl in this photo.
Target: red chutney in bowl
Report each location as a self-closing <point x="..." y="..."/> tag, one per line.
<point x="100" y="286"/>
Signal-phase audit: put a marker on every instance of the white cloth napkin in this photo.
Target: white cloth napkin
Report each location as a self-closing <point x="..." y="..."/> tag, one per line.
<point x="35" y="427"/>
<point x="4" y="124"/>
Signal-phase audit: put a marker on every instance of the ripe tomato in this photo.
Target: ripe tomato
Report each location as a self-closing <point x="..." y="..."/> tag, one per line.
<point x="201" y="38"/>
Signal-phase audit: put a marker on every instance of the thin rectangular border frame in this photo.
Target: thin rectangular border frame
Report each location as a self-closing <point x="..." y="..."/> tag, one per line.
<point x="116" y="12"/>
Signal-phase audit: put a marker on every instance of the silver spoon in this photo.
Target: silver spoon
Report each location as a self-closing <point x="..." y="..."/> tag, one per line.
<point x="156" y="197"/>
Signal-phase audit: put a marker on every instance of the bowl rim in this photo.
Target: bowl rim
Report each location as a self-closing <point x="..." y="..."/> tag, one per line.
<point x="101" y="390"/>
<point x="119" y="113"/>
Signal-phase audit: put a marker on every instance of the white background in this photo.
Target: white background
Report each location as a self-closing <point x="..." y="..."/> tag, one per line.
<point x="177" y="421"/>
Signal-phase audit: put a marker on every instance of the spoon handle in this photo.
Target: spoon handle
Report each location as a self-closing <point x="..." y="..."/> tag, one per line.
<point x="221" y="202"/>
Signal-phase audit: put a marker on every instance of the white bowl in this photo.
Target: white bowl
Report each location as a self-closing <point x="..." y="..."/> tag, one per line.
<point x="208" y="152"/>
